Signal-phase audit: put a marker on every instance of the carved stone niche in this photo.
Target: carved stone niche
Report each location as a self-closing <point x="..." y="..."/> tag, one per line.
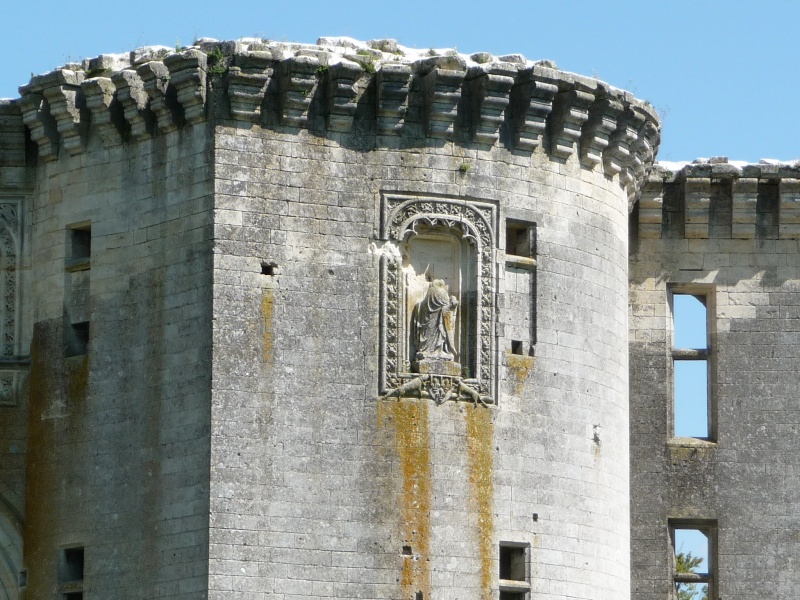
<point x="438" y="298"/>
<point x="10" y="241"/>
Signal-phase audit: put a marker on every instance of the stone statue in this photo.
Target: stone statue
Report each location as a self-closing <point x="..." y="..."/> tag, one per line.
<point x="432" y="324"/>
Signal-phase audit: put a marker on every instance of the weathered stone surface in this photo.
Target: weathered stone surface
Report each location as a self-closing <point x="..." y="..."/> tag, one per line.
<point x="227" y="369"/>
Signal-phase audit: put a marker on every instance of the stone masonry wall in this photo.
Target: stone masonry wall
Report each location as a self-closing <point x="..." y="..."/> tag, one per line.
<point x="246" y="269"/>
<point x="118" y="436"/>
<point x="317" y="485"/>
<point x="729" y="232"/>
<point x="15" y="189"/>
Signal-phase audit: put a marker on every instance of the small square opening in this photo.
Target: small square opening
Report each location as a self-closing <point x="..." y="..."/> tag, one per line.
<point x="268" y="268"/>
<point x="517" y="347"/>
<point x="80" y="242"/>
<point x="77" y="339"/>
<point x="71" y="565"/>
<point x="72" y="596"/>
<point x="520" y="239"/>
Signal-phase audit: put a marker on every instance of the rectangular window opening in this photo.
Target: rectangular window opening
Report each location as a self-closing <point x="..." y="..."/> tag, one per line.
<point x="70" y="565"/>
<point x="77" y="342"/>
<point x="512" y="595"/>
<point x="514" y="571"/>
<point x="693" y="560"/>
<point x="521" y="238"/>
<point x="691" y="365"/>
<point x="79" y="246"/>
<point x="516" y="347"/>
<point x="512" y="563"/>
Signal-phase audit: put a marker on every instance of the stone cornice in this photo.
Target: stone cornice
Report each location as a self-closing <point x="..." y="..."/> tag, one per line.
<point x="374" y="90"/>
<point x="681" y="199"/>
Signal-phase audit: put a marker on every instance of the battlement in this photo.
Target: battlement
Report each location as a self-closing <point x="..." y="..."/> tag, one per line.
<point x="717" y="198"/>
<point x="373" y="90"/>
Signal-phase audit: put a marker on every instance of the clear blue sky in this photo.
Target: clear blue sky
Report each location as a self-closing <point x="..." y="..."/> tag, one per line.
<point x="724" y="73"/>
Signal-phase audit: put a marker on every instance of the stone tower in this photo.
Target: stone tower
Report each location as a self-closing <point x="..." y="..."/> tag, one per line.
<point x="341" y="320"/>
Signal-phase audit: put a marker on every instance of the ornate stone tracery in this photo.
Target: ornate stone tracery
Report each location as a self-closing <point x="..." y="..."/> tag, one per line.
<point x="9" y="268"/>
<point x="464" y="230"/>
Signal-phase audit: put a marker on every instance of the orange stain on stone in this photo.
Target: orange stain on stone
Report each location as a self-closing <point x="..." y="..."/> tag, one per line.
<point x="480" y="432"/>
<point x="412" y="441"/>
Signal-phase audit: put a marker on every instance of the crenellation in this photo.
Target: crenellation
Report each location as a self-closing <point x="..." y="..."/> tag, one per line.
<point x="491" y="86"/>
<point x="68" y="108"/>
<point x="298" y="82"/>
<point x="43" y="127"/>
<point x="248" y="78"/>
<point x="344" y="91"/>
<point x="162" y="95"/>
<point x="697" y="195"/>
<point x="531" y="102"/>
<point x="394" y="84"/>
<point x="187" y="73"/>
<point x="570" y="112"/>
<point x="618" y="154"/>
<point x="441" y="88"/>
<point x="789" y="227"/>
<point x="135" y="104"/>
<point x="478" y="99"/>
<point x="651" y="208"/>
<point x="744" y="203"/>
<point x="648" y="139"/>
<point x="99" y="96"/>
<point x="12" y="134"/>
<point x="602" y="122"/>
<point x="721" y="199"/>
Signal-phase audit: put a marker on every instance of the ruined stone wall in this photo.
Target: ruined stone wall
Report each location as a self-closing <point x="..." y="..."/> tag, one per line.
<point x="118" y="432"/>
<point x="729" y="232"/>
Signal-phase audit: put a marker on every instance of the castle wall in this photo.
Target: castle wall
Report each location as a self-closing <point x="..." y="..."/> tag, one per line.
<point x="118" y="432"/>
<point x="730" y="234"/>
<point x="247" y="340"/>
<point x="15" y="189"/>
<point x="318" y="484"/>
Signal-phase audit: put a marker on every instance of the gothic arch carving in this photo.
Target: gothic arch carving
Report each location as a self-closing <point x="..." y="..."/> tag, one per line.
<point x="444" y="246"/>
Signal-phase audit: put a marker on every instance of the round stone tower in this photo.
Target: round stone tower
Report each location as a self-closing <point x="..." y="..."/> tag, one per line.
<point x="380" y="300"/>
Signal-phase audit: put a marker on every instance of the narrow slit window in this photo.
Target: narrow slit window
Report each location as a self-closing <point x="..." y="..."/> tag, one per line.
<point x="692" y="554"/>
<point x="691" y="366"/>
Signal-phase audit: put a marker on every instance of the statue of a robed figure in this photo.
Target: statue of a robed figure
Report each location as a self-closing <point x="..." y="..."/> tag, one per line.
<point x="433" y="323"/>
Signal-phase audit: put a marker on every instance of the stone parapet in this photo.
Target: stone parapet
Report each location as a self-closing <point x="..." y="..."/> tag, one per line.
<point x="340" y="86"/>
<point x="717" y="198"/>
